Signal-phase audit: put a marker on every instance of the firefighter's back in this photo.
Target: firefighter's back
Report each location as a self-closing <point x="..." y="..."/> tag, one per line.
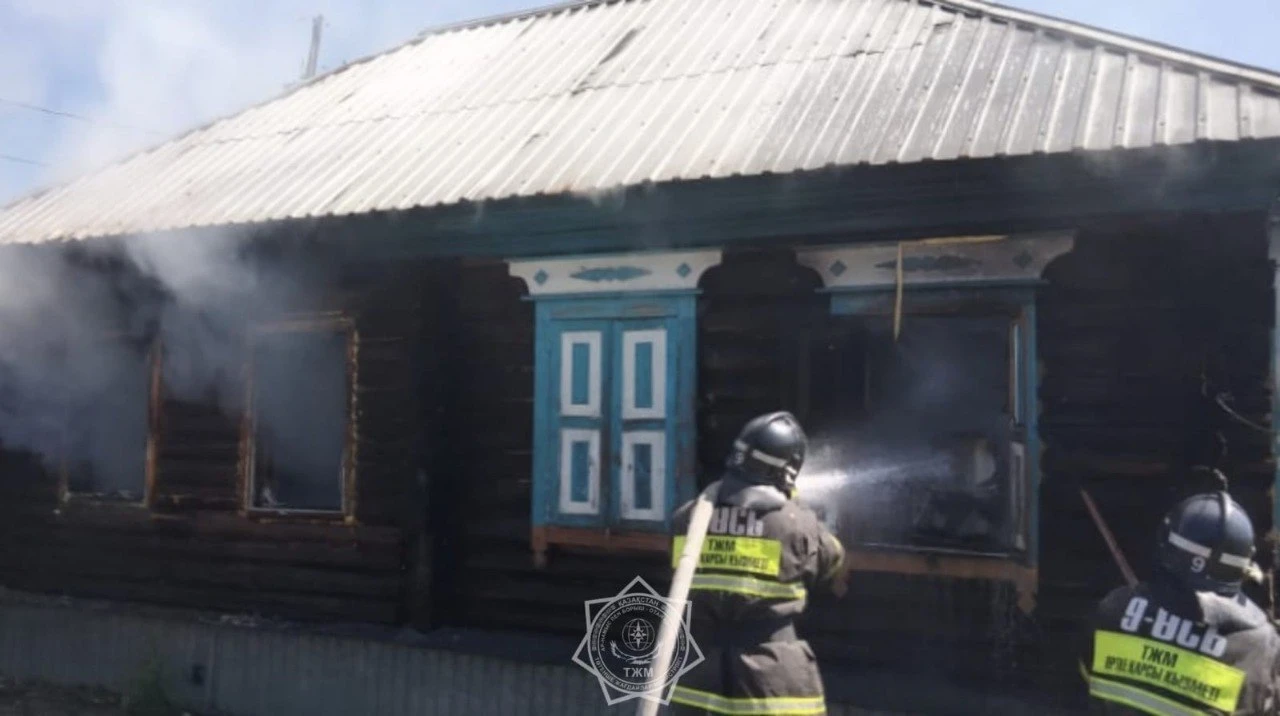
<point x="762" y="555"/>
<point x="1189" y="641"/>
<point x="1158" y="650"/>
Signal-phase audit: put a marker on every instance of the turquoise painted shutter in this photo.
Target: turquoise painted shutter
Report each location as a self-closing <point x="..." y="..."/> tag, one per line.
<point x="644" y="406"/>
<point x="579" y="420"/>
<point x="613" y="430"/>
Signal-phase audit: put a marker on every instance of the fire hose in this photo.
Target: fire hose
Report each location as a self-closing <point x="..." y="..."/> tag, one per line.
<point x="673" y="617"/>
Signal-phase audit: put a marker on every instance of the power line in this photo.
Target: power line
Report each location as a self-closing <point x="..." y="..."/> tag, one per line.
<point x="70" y="115"/>
<point x="21" y="160"/>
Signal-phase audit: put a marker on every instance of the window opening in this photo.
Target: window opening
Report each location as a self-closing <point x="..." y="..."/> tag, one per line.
<point x="299" y="414"/>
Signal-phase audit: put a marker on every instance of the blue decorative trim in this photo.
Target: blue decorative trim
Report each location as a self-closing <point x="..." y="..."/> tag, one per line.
<point x="931" y="288"/>
<point x="611" y="316"/>
<point x="1273" y="252"/>
<point x="850" y="303"/>
<point x="578" y="483"/>
<point x="616" y="295"/>
<point x="1031" y="409"/>
<point x="643" y="476"/>
<point x="580" y="369"/>
<point x="612" y="273"/>
<point x="630" y="273"/>
<point x="644" y="375"/>
<point x="926" y="264"/>
<point x="1275" y="417"/>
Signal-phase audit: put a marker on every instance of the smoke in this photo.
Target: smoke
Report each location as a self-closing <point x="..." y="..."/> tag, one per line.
<point x="935" y="420"/>
<point x="141" y="72"/>
<point x="76" y="323"/>
<point x="30" y="309"/>
<point x="211" y="287"/>
<point x="77" y="326"/>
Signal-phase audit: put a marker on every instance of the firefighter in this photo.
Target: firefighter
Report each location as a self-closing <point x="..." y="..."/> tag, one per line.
<point x="1188" y="641"/>
<point x="762" y="554"/>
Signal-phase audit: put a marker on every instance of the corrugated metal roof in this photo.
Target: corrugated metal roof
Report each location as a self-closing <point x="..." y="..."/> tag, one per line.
<point x="595" y="96"/>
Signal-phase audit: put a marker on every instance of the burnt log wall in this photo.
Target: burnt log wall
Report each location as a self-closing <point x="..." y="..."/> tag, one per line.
<point x="755" y="313"/>
<point x="194" y="548"/>
<point x="483" y="498"/>
<point x="1130" y="325"/>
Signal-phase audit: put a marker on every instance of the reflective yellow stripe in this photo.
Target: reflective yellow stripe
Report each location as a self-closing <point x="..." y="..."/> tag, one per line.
<point x="748" y="555"/>
<point x="1185" y="673"/>
<point x="769" y="706"/>
<point x="1137" y="698"/>
<point x="749" y="586"/>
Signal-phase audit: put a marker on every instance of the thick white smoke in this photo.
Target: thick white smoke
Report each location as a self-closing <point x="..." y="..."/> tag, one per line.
<point x="143" y="71"/>
<point x="139" y="72"/>
<point x="77" y="324"/>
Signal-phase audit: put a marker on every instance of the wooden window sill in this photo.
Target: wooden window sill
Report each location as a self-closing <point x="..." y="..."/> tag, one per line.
<point x="92" y="500"/>
<point x="315" y="517"/>
<point x="603" y="540"/>
<point x="994" y="568"/>
<point x="80" y="507"/>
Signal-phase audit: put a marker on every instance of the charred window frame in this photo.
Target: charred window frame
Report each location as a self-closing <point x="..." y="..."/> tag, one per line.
<point x="84" y="445"/>
<point x="985" y="275"/>
<point x="266" y="436"/>
<point x="998" y="319"/>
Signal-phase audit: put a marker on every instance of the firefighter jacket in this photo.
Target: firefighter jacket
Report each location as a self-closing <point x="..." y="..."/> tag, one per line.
<point x="761" y="555"/>
<point x="1160" y="648"/>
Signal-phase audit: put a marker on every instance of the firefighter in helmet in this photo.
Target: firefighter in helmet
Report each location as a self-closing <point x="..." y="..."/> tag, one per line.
<point x="1188" y="641"/>
<point x="762" y="554"/>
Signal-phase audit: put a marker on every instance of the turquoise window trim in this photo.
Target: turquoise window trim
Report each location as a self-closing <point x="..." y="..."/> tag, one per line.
<point x="947" y="287"/>
<point x="1018" y="299"/>
<point x="672" y="314"/>
<point x="615" y="295"/>
<point x="1005" y="296"/>
<point x="1029" y="403"/>
<point x="1273" y="253"/>
<point x="1275" y="414"/>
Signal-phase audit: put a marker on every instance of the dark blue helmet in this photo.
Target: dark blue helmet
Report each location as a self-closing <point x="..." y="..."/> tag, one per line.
<point x="770" y="450"/>
<point x="1206" y="542"/>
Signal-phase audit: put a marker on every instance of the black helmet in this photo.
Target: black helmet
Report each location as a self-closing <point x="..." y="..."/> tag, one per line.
<point x="770" y="450"/>
<point x="1206" y="542"/>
